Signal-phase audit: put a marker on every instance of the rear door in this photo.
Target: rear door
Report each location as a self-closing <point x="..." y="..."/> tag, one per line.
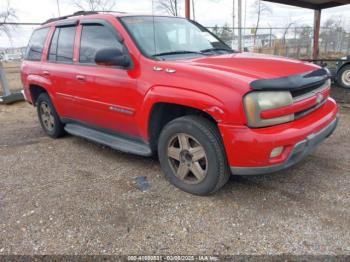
<point x="107" y="95"/>
<point x="59" y="68"/>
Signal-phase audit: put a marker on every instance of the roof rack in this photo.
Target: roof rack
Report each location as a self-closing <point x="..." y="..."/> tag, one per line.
<point x="67" y="16"/>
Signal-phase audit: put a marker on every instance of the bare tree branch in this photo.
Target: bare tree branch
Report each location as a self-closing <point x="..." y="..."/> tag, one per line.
<point x="95" y="5"/>
<point x="169" y="6"/>
<point x="8" y="15"/>
<point x="260" y="10"/>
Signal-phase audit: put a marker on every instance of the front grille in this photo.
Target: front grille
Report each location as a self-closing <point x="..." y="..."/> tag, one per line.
<point x="308" y="89"/>
<point x="308" y="92"/>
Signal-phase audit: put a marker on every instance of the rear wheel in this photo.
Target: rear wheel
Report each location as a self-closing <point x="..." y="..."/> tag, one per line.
<point x="48" y="117"/>
<point x="344" y="76"/>
<point x="192" y="155"/>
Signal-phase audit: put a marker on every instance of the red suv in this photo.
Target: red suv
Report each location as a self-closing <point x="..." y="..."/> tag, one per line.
<point x="147" y="84"/>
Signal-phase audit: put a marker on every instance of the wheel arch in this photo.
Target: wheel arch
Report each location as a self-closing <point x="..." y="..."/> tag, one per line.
<point x="37" y="85"/>
<point x="347" y="63"/>
<point x="164" y="104"/>
<point x="35" y="92"/>
<point x="338" y="76"/>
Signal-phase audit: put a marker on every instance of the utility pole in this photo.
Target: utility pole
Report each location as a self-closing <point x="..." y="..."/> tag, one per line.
<point x="245" y="21"/>
<point x="58" y="7"/>
<point x="193" y="11"/>
<point x="240" y="25"/>
<point x="233" y="22"/>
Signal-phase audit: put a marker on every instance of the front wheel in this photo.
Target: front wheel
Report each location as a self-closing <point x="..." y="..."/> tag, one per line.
<point x="192" y="155"/>
<point x="344" y="76"/>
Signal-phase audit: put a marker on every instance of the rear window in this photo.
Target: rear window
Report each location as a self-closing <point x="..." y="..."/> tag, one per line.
<point x="62" y="45"/>
<point x="36" y="44"/>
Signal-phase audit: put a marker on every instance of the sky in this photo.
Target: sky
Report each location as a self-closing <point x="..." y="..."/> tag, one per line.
<point x="208" y="13"/>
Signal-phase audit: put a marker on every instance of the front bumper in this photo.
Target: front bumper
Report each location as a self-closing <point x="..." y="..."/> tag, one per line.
<point x="249" y="150"/>
<point x="298" y="153"/>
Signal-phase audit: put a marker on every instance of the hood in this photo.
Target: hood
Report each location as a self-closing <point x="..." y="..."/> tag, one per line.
<point x="254" y="66"/>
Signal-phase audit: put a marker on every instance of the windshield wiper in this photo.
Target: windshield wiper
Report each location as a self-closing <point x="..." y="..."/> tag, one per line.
<point x="216" y="49"/>
<point x="178" y="53"/>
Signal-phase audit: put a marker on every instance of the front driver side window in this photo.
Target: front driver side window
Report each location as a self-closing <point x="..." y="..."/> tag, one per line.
<point x="95" y="37"/>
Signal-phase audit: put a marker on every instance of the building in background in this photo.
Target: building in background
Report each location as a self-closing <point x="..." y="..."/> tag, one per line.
<point x="12" y="54"/>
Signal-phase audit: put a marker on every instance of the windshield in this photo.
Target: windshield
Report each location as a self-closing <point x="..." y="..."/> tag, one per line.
<point x="172" y="37"/>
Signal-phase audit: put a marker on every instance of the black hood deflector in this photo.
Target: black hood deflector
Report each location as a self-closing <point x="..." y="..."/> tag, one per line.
<point x="294" y="82"/>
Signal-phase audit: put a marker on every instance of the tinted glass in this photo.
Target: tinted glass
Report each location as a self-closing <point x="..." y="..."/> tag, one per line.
<point x="36" y="45"/>
<point x="95" y="38"/>
<point x="65" y="44"/>
<point x="53" y="46"/>
<point x="62" y="44"/>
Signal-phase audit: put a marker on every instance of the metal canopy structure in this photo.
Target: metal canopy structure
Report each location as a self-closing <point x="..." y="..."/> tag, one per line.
<point x="316" y="5"/>
<point x="312" y="4"/>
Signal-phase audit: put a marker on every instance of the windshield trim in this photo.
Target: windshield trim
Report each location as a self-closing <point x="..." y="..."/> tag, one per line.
<point x="155" y="58"/>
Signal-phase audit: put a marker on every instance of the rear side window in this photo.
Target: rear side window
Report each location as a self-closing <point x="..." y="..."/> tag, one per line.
<point x="36" y="44"/>
<point x="62" y="45"/>
<point x="94" y="38"/>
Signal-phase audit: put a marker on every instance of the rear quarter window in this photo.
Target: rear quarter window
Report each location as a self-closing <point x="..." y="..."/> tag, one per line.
<point x="36" y="44"/>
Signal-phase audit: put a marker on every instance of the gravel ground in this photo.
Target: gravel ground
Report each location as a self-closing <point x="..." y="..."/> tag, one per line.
<point x="70" y="196"/>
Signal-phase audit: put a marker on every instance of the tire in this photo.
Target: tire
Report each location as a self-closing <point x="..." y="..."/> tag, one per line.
<point x="344" y="76"/>
<point x="211" y="172"/>
<point x="48" y="117"/>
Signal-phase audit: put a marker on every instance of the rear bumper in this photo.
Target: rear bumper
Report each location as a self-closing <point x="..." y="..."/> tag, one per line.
<point x="298" y="153"/>
<point x="249" y="150"/>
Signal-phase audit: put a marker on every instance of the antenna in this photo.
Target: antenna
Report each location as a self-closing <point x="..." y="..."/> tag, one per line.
<point x="154" y="29"/>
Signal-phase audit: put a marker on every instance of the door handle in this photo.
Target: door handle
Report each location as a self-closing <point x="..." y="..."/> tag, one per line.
<point x="46" y="73"/>
<point x="80" y="77"/>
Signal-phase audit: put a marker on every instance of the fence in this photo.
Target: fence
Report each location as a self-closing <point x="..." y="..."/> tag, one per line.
<point x="296" y="42"/>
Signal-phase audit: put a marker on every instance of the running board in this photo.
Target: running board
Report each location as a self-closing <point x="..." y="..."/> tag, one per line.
<point x="116" y="142"/>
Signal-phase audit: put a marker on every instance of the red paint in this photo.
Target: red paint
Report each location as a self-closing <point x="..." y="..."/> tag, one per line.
<point x="216" y="85"/>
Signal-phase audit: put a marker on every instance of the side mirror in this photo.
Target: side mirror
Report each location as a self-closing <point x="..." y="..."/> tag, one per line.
<point x="112" y="57"/>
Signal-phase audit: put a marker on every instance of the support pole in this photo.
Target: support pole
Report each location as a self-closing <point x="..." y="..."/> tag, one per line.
<point x="7" y="97"/>
<point x="317" y="24"/>
<point x="188" y="9"/>
<point x="3" y="82"/>
<point x="240" y="25"/>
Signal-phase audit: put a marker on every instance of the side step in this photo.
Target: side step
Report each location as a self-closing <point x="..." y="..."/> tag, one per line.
<point x="115" y="142"/>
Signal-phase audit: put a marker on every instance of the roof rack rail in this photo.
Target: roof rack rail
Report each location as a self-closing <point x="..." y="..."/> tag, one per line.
<point x="67" y="16"/>
<point x="110" y="11"/>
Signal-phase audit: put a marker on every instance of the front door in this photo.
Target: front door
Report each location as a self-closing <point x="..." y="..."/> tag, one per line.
<point x="106" y="95"/>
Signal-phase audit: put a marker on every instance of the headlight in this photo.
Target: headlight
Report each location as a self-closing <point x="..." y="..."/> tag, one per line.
<point x="344" y="58"/>
<point x="256" y="102"/>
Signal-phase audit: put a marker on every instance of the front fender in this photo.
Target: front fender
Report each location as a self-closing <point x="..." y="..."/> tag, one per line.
<point x="179" y="96"/>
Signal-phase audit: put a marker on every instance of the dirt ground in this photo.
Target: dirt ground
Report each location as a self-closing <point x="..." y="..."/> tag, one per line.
<point x="71" y="196"/>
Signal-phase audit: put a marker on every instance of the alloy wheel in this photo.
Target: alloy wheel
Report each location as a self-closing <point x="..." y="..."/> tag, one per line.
<point x="187" y="158"/>
<point x="47" y="116"/>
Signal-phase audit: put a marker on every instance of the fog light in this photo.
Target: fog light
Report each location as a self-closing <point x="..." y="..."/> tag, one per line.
<point x="276" y="152"/>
